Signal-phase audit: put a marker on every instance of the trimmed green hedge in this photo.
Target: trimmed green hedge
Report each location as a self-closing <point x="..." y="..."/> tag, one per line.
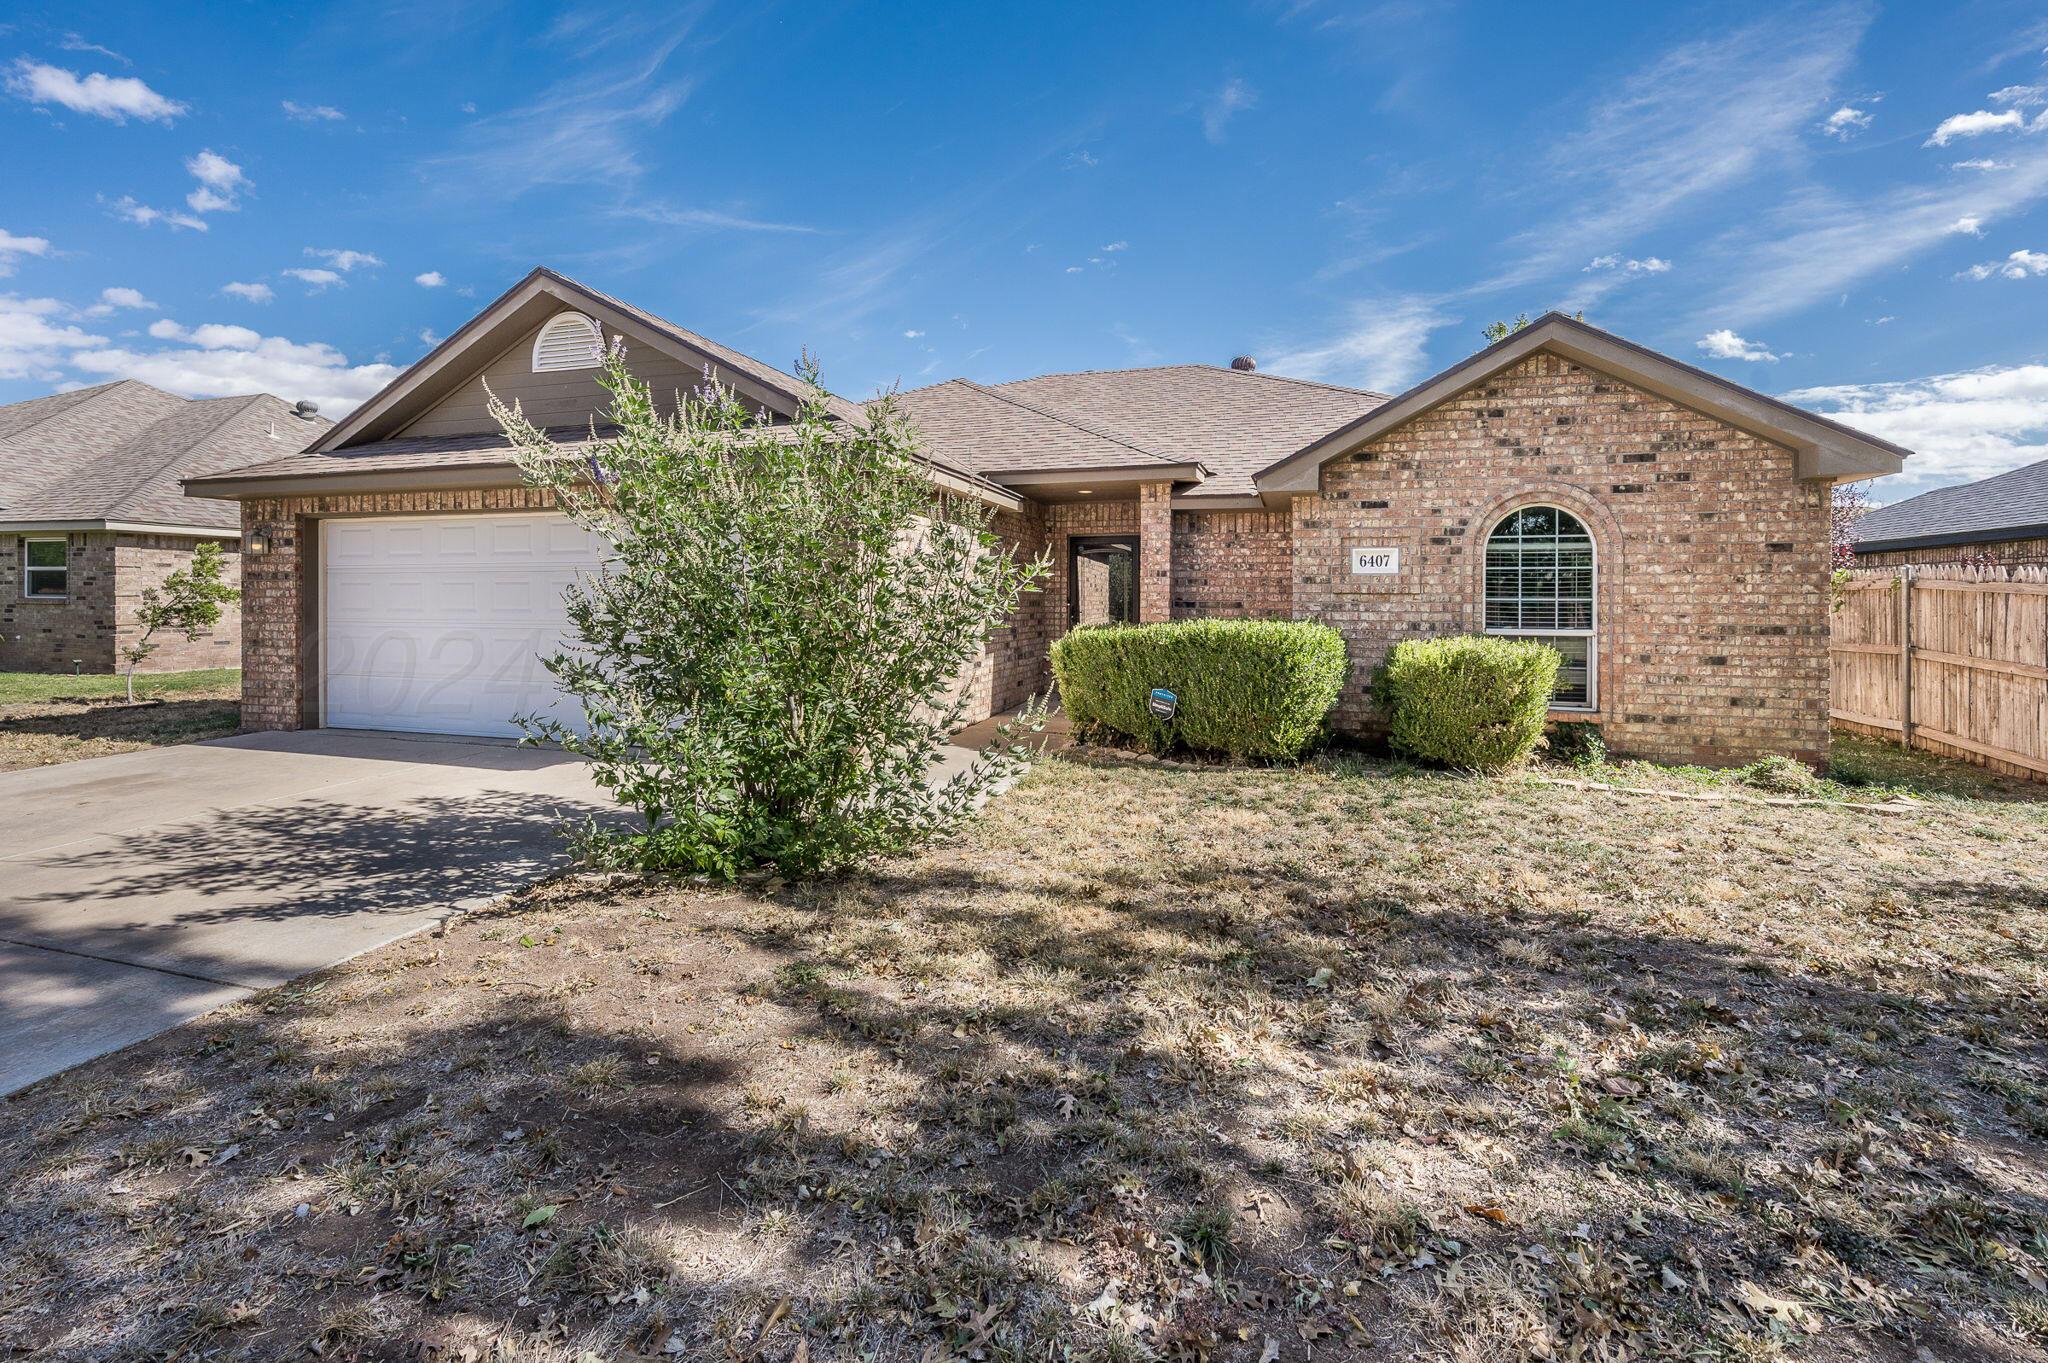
<point x="1474" y="702"/>
<point x="1249" y="688"/>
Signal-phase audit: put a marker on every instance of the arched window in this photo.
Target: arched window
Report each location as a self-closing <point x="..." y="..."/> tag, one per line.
<point x="1540" y="571"/>
<point x="569" y="341"/>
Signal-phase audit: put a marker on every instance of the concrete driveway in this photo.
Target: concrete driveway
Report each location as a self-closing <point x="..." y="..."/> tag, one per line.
<point x="142" y="890"/>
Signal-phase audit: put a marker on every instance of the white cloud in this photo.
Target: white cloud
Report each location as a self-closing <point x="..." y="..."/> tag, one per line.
<point x="73" y="42"/>
<point x="432" y="279"/>
<point x="1980" y="163"/>
<point x="2021" y="96"/>
<point x="582" y="130"/>
<point x="1825" y="244"/>
<point x="32" y="345"/>
<point x="210" y="336"/>
<point x="1975" y="125"/>
<point x="1234" y="98"/>
<point x="1074" y="269"/>
<point x="1686" y="128"/>
<point x="1647" y="265"/>
<point x="1959" y="426"/>
<point x="1385" y="347"/>
<point x="1726" y="345"/>
<point x="428" y="337"/>
<point x="117" y="298"/>
<point x="912" y="335"/>
<point x="1845" y="123"/>
<point x="312" y="113"/>
<point x="253" y="293"/>
<point x="221" y="181"/>
<point x="142" y="215"/>
<point x="343" y="260"/>
<point x="12" y="248"/>
<point x="119" y="98"/>
<point x="216" y="360"/>
<point x="1117" y="246"/>
<point x="313" y="279"/>
<point x="1968" y="225"/>
<point x="2021" y="264"/>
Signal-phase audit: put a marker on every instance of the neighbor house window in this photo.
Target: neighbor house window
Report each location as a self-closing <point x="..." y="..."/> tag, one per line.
<point x="1540" y="585"/>
<point x="43" y="570"/>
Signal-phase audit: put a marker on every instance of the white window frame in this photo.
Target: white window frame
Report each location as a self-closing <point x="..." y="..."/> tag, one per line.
<point x="1591" y="634"/>
<point x="27" y="571"/>
<point x="558" y="362"/>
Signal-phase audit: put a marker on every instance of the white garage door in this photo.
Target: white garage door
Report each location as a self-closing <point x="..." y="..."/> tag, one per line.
<point x="437" y="624"/>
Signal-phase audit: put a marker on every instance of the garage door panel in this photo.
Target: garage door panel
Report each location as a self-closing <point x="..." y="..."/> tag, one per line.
<point x="438" y="624"/>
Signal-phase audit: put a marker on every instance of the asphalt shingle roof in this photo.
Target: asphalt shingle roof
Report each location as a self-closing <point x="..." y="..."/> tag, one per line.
<point x="994" y="432"/>
<point x="1991" y="508"/>
<point x="117" y="452"/>
<point x="478" y="449"/>
<point x="1231" y="421"/>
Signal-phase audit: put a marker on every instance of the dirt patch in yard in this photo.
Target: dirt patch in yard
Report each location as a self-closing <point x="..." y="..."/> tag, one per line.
<point x="1352" y="1061"/>
<point x="39" y="733"/>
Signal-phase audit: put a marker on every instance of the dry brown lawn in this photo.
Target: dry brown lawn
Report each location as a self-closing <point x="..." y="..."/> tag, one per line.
<point x="1350" y="1061"/>
<point x="46" y="719"/>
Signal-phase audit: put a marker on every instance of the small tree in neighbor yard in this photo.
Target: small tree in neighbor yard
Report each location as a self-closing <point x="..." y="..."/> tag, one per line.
<point x="767" y="666"/>
<point x="188" y="601"/>
<point x="1500" y="331"/>
<point x="1844" y="511"/>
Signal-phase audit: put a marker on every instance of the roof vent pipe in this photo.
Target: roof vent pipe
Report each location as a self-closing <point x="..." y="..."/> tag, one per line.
<point x="1244" y="364"/>
<point x="305" y="409"/>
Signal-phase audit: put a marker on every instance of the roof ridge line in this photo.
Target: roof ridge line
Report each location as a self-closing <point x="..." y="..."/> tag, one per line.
<point x="116" y="502"/>
<point x="1204" y="368"/>
<point x="1054" y="414"/>
<point x="89" y="388"/>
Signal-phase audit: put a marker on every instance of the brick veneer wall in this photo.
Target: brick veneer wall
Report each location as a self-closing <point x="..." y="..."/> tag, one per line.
<point x="1091" y="587"/>
<point x="1155" y="552"/>
<point x="145" y="561"/>
<point x="1013" y="665"/>
<point x="1713" y="603"/>
<point x="108" y="572"/>
<point x="49" y="635"/>
<point x="1063" y="520"/>
<point x="1994" y="553"/>
<point x="1233" y="563"/>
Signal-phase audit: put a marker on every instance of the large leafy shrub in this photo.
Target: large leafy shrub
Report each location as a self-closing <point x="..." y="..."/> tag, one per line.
<point x="1249" y="688"/>
<point x="1469" y="701"/>
<point x="767" y="667"/>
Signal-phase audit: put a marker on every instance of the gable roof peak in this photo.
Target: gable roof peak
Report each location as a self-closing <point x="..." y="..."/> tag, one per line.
<point x="1825" y="448"/>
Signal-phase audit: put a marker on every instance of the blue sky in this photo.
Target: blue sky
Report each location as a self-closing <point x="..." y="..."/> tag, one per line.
<point x="1847" y="204"/>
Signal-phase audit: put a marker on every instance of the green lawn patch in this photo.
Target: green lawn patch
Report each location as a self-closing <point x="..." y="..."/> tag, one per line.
<point x="17" y="688"/>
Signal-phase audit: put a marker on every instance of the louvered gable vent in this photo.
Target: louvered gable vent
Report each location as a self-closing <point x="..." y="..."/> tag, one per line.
<point x="569" y="341"/>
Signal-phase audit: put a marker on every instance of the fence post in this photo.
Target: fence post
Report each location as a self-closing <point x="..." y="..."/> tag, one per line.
<point x="1906" y="658"/>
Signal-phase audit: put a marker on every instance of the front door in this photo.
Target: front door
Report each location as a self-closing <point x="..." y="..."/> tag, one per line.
<point x="1102" y="577"/>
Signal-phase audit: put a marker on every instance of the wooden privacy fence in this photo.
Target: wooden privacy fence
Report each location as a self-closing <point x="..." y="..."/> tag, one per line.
<point x="1950" y="659"/>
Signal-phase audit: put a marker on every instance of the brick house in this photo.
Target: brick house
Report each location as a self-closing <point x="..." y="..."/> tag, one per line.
<point x="1997" y="520"/>
<point x="91" y="515"/>
<point x="1665" y="529"/>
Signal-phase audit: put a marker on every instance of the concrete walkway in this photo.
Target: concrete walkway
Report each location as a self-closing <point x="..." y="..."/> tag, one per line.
<point x="141" y="890"/>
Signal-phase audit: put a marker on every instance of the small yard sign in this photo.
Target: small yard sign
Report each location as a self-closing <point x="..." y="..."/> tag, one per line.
<point x="1163" y="702"/>
<point x="1375" y="560"/>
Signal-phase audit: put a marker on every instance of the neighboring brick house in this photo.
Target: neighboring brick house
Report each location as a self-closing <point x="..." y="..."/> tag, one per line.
<point x="91" y="515"/>
<point x="1994" y="521"/>
<point x="1665" y="529"/>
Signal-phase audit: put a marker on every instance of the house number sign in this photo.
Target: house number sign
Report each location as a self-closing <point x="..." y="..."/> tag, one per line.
<point x="1373" y="561"/>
